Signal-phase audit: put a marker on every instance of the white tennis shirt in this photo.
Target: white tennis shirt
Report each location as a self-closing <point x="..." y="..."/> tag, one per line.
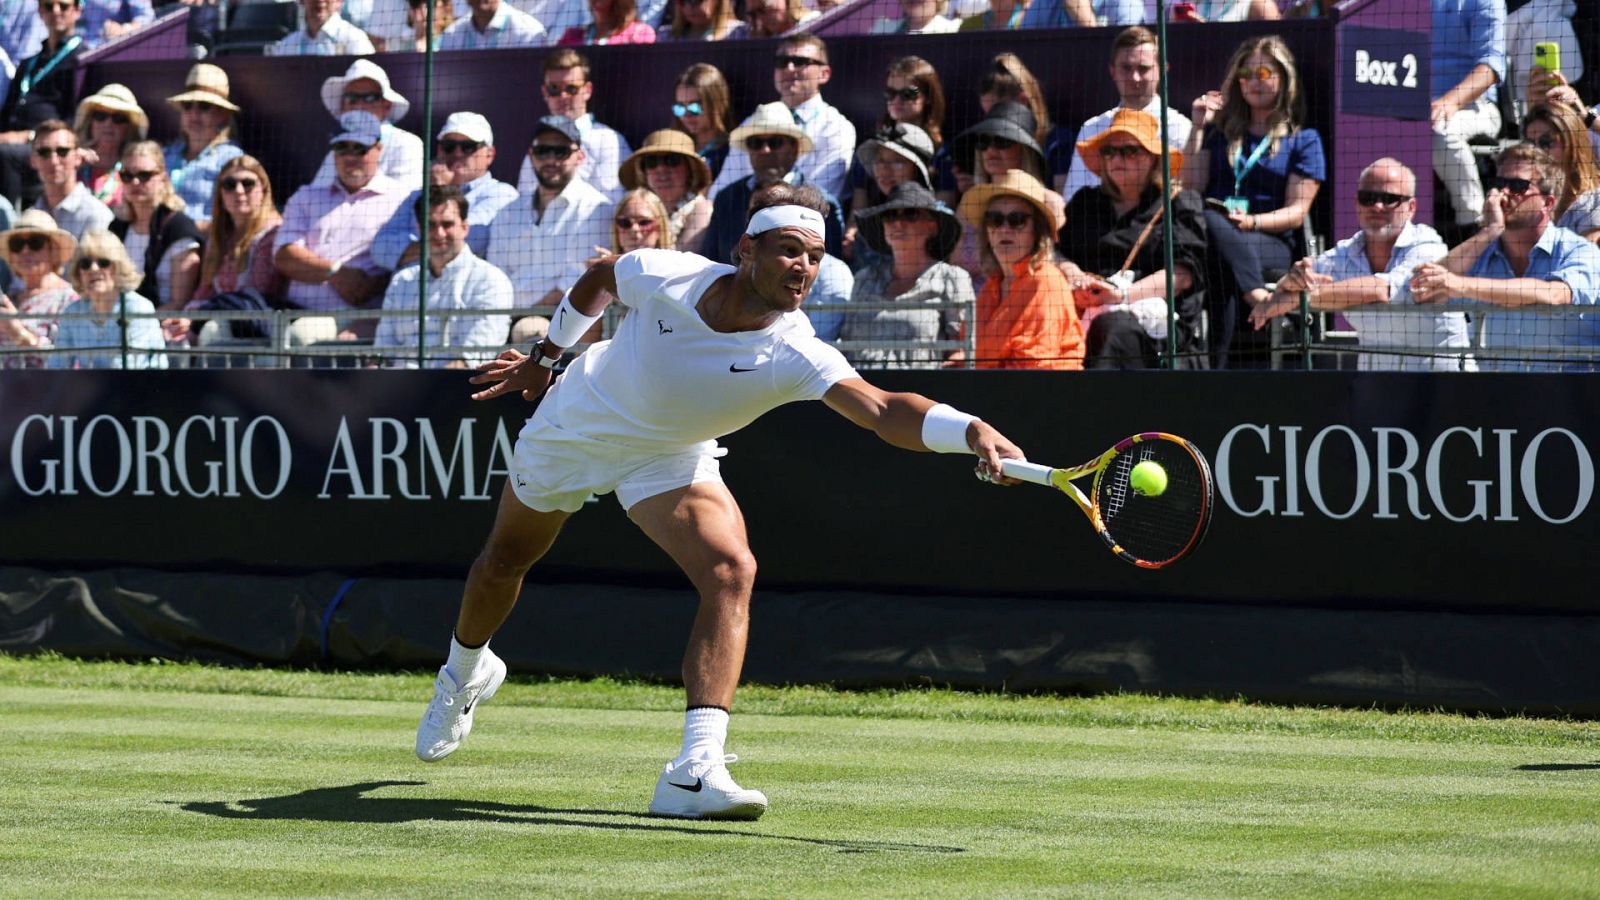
<point x="666" y="380"/>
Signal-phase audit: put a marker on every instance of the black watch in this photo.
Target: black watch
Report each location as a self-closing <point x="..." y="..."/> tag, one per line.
<point x="1589" y="117"/>
<point x="549" y="362"/>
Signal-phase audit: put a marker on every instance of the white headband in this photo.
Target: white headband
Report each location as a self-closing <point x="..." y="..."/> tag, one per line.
<point x="786" y="217"/>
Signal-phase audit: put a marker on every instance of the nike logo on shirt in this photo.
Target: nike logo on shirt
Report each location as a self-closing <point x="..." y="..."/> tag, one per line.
<point x="734" y="367"/>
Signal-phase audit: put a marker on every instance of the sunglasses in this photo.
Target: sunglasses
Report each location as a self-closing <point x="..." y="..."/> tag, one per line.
<point x="624" y="223"/>
<point x="139" y="177"/>
<point x="994" y="142"/>
<point x="449" y="146"/>
<point x="1016" y="221"/>
<point x="1259" y="73"/>
<point x="1380" y="198"/>
<point x="101" y="115"/>
<point x="687" y="109"/>
<point x="1516" y="187"/>
<point x="56" y="7"/>
<point x="551" y="151"/>
<point x="763" y="144"/>
<point x="907" y="215"/>
<point x="60" y="152"/>
<point x="193" y="105"/>
<point x="556" y="90"/>
<point x="229" y="185"/>
<point x="33" y="242"/>
<point x="94" y="262"/>
<point x="784" y="61"/>
<point x="371" y="97"/>
<point x="670" y="160"/>
<point x="1120" y="151"/>
<point x="350" y="148"/>
<point x="1546" y="142"/>
<point x="905" y="94"/>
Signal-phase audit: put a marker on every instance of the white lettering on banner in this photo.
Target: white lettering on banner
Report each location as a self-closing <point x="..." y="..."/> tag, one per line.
<point x="1385" y="73"/>
<point x="1515" y="476"/>
<point x="156" y="460"/>
<point x="394" y="463"/>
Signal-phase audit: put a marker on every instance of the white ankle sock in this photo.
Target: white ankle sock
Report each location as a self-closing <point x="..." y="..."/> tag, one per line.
<point x="705" y="730"/>
<point x="463" y="661"/>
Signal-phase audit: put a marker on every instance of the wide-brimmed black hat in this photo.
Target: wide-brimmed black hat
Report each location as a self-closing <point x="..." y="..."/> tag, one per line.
<point x="911" y="195"/>
<point x="1006" y="119"/>
<point x="903" y="139"/>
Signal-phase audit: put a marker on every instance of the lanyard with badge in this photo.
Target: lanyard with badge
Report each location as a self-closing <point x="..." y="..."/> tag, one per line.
<point x="30" y="77"/>
<point x="1239" y="203"/>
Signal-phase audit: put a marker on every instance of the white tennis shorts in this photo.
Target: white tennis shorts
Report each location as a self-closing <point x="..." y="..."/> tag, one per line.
<point x="553" y="468"/>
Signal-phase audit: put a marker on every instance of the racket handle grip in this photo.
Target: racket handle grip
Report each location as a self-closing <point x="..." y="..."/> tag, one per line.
<point x="1026" y="471"/>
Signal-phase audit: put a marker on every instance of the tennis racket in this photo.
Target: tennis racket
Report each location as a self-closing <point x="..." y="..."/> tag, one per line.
<point x="1149" y="531"/>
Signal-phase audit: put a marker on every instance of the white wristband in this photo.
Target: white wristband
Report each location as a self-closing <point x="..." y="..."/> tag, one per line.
<point x="944" y="429"/>
<point x="568" y="326"/>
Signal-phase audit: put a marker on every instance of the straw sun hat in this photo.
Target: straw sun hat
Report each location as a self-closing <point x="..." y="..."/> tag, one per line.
<point x="115" y="98"/>
<point x="37" y="221"/>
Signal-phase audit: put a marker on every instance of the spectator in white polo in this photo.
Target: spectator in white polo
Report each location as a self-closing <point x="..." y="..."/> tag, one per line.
<point x="799" y="70"/>
<point x="464" y="149"/>
<point x="494" y="24"/>
<point x="542" y="239"/>
<point x="324" y="244"/>
<point x="567" y="91"/>
<point x="323" y="33"/>
<point x="56" y="158"/>
<point x="365" y="87"/>
<point x="457" y="280"/>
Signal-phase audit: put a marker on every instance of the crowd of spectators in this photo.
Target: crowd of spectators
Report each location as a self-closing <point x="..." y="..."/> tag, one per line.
<point x="1018" y="242"/>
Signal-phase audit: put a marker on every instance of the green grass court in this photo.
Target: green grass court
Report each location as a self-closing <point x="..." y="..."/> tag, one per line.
<point x="138" y="780"/>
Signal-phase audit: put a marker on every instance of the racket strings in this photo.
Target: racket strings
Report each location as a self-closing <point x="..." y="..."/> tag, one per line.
<point x="1160" y="528"/>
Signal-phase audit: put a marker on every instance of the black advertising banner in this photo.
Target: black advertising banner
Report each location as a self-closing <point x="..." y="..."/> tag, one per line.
<point x="1334" y="489"/>
<point x="1384" y="72"/>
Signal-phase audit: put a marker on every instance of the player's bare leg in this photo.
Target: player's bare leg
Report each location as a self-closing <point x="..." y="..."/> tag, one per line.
<point x="473" y="673"/>
<point x="520" y="537"/>
<point x="702" y="529"/>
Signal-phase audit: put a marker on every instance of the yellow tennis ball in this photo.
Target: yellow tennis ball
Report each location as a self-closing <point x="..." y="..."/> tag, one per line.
<point x="1148" y="479"/>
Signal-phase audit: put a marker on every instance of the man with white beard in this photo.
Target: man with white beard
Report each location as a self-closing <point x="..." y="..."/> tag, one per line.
<point x="1373" y="268"/>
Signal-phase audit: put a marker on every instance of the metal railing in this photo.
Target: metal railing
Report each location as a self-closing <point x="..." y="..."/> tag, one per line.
<point x="1318" y="340"/>
<point x="277" y="351"/>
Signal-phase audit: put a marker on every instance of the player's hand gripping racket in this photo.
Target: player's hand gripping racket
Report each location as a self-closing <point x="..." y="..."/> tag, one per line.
<point x="1146" y="527"/>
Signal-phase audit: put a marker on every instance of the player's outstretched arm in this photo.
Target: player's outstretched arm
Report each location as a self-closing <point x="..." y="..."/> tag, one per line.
<point x="903" y="420"/>
<point x="514" y="370"/>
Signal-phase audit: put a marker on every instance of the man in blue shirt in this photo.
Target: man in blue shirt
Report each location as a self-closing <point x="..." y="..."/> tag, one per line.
<point x="465" y="148"/>
<point x="1469" y="59"/>
<point x="1372" y="271"/>
<point x="1520" y="259"/>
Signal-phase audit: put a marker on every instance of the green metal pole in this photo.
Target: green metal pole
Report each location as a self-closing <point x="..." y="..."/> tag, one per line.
<point x="122" y="325"/>
<point x="427" y="191"/>
<point x="1305" y="330"/>
<point x="1166" y="194"/>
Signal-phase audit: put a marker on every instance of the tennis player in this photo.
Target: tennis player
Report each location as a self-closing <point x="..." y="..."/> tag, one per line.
<point x="705" y="350"/>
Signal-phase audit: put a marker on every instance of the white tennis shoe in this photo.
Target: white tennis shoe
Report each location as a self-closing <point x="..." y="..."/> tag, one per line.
<point x="703" y="789"/>
<point x="448" y="720"/>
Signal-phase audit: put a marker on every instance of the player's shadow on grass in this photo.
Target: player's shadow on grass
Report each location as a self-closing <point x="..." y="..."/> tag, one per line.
<point x="1557" y="767"/>
<point x="350" y="803"/>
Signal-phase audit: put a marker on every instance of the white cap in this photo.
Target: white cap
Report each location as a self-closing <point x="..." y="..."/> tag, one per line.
<point x="470" y="124"/>
<point x="360" y="127"/>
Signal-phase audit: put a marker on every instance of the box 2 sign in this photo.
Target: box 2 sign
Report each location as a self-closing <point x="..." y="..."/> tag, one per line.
<point x="1384" y="72"/>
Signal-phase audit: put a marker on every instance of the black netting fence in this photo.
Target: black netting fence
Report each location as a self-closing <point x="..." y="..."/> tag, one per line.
<point x="1388" y="184"/>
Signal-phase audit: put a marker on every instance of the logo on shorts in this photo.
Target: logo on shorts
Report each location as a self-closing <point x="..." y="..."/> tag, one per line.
<point x="662" y="324"/>
<point x="520" y="482"/>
